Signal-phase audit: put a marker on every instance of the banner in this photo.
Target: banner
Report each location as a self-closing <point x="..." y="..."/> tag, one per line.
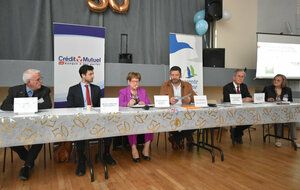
<point x="186" y="52"/>
<point x="74" y="46"/>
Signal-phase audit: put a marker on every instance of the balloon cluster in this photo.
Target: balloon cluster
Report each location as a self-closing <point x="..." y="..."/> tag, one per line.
<point x="202" y="25"/>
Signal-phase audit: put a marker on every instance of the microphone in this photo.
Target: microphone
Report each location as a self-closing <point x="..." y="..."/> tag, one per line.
<point x="146" y="107"/>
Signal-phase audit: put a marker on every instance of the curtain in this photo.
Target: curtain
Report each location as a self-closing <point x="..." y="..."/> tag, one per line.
<point x="26" y="31"/>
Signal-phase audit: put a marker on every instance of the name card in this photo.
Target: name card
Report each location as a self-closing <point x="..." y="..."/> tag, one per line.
<point x="161" y="101"/>
<point x="26" y="105"/>
<point x="109" y="105"/>
<point x="236" y="99"/>
<point x="200" y="101"/>
<point x="259" y="98"/>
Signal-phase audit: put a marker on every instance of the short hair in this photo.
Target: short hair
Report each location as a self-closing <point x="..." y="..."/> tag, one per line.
<point x="132" y="75"/>
<point x="175" y="68"/>
<point x="284" y="80"/>
<point x="28" y="74"/>
<point x="239" y="70"/>
<point x="84" y="68"/>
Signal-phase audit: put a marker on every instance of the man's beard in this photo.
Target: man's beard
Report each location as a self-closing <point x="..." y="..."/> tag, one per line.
<point x="175" y="81"/>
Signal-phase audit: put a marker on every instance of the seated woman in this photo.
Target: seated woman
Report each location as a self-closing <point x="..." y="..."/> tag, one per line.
<point x="279" y="92"/>
<point x="133" y="95"/>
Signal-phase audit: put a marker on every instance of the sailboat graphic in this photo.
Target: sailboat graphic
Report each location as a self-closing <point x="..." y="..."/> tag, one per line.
<point x="177" y="46"/>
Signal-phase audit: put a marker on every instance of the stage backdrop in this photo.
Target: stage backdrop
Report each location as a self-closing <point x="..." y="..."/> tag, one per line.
<point x="186" y="52"/>
<point x="75" y="45"/>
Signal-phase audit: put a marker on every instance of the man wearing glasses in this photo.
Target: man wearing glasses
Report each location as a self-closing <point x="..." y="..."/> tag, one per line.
<point x="32" y="88"/>
<point x="237" y="86"/>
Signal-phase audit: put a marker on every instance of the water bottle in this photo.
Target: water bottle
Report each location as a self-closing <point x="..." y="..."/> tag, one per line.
<point x="285" y="98"/>
<point x="278" y="99"/>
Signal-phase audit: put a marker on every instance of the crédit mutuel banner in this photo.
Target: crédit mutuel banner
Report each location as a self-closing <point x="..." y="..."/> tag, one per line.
<point x="186" y="52"/>
<point x="74" y="46"/>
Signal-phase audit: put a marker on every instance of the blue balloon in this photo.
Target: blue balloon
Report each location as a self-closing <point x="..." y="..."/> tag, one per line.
<point x="201" y="27"/>
<point x="200" y="15"/>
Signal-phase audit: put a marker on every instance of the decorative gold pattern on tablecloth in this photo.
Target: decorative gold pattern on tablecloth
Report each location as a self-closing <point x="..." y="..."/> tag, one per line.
<point x="55" y="125"/>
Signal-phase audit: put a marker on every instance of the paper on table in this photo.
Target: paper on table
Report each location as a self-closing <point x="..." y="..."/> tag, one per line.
<point x="181" y="98"/>
<point x="236" y="99"/>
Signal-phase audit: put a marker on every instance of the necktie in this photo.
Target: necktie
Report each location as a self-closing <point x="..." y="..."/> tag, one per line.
<point x="30" y="93"/>
<point x="88" y="99"/>
<point x="238" y="90"/>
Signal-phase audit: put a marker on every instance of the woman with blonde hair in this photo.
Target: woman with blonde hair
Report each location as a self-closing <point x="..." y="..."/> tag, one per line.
<point x="279" y="91"/>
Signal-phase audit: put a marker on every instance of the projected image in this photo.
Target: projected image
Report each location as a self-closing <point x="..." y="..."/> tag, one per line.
<point x="269" y="70"/>
<point x="278" y="54"/>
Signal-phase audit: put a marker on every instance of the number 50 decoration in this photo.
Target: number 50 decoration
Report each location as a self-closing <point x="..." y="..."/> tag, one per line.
<point x="102" y="5"/>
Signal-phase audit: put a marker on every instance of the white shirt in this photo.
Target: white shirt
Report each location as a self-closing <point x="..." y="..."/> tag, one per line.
<point x="177" y="93"/>
<point x="235" y="86"/>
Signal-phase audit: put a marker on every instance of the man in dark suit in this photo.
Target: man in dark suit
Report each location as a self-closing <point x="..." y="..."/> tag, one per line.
<point x="86" y="94"/>
<point x="32" y="88"/>
<point x="237" y="87"/>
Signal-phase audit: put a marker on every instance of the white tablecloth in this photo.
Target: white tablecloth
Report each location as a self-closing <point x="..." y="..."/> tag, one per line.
<point x="71" y="124"/>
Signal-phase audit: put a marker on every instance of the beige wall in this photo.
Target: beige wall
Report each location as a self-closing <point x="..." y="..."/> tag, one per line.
<point x="238" y="35"/>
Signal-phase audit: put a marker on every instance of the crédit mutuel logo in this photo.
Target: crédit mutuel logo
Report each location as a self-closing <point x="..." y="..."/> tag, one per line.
<point x="78" y="60"/>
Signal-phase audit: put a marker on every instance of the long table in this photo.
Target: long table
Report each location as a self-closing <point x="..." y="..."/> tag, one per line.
<point x="57" y="125"/>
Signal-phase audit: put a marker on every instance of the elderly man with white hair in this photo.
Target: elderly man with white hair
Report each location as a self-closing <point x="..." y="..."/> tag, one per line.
<point x="32" y="88"/>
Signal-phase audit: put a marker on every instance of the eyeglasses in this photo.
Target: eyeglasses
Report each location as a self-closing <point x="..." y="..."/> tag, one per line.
<point x="133" y="81"/>
<point x="37" y="80"/>
<point x="240" y="76"/>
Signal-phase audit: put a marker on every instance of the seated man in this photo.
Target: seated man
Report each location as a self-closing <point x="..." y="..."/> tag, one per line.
<point x="82" y="95"/>
<point x="237" y="87"/>
<point x="32" y="88"/>
<point x="177" y="88"/>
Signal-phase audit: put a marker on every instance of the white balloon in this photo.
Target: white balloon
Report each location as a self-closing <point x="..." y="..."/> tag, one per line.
<point x="226" y="15"/>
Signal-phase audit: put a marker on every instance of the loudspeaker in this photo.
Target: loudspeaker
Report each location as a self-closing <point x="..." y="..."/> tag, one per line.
<point x="213" y="10"/>
<point x="214" y="57"/>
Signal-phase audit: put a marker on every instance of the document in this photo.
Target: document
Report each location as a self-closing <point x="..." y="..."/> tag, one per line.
<point x="236" y="99"/>
<point x="181" y="98"/>
<point x="200" y="101"/>
<point x="26" y="105"/>
<point x="109" y="105"/>
<point x="161" y="101"/>
<point x="259" y="98"/>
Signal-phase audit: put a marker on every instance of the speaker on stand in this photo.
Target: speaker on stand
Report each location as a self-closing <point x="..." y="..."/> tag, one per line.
<point x="124" y="57"/>
<point x="213" y="12"/>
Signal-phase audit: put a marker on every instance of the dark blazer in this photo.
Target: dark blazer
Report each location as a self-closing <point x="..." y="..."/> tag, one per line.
<point x="270" y="93"/>
<point x="75" y="97"/>
<point x="230" y="89"/>
<point x="20" y="91"/>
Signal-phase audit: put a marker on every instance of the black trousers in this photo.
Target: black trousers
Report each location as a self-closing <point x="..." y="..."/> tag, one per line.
<point x="178" y="136"/>
<point x="239" y="130"/>
<point x="81" y="148"/>
<point x="30" y="155"/>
